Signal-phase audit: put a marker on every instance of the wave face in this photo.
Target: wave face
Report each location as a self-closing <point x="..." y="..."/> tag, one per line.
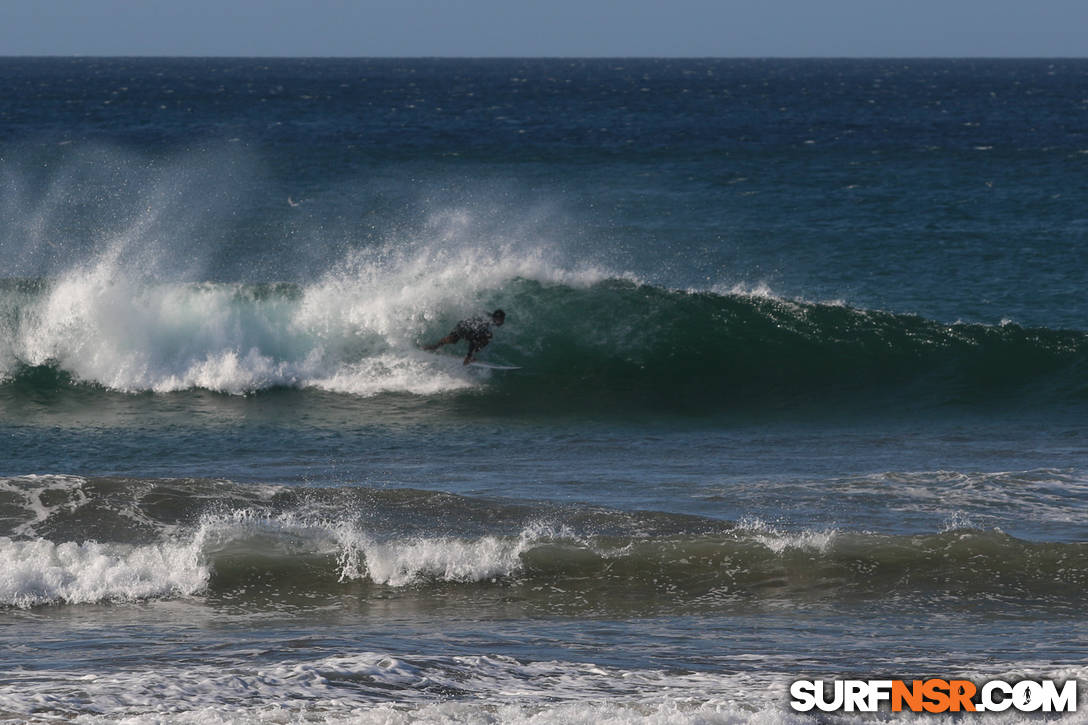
<point x="707" y="348"/>
<point x="582" y="339"/>
<point x="72" y="540"/>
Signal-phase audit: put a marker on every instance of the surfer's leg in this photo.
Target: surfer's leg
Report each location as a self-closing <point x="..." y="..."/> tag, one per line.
<point x="452" y="337"/>
<point x="474" y="346"/>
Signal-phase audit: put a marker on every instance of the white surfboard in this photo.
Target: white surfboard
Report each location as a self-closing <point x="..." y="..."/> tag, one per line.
<point x="491" y="366"/>
<point x="479" y="364"/>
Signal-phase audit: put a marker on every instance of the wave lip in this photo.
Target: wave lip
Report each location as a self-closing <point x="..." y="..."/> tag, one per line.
<point x="402" y="562"/>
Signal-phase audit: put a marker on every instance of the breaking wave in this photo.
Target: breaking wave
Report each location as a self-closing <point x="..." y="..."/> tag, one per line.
<point x="163" y="539"/>
<point x="584" y="339"/>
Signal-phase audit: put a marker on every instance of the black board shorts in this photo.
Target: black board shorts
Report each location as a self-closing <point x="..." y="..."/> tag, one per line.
<point x="478" y="334"/>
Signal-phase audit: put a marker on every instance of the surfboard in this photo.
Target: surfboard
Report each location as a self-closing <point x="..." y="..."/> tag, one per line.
<point x="491" y="366"/>
<point x="478" y="363"/>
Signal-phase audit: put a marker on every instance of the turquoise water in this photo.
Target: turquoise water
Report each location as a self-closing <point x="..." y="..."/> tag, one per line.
<point x="802" y="385"/>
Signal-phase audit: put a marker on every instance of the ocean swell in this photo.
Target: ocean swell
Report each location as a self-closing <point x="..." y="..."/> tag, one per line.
<point x="581" y="341"/>
<point x="164" y="539"/>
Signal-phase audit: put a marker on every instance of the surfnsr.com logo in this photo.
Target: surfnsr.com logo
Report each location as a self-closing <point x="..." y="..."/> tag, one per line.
<point x="933" y="695"/>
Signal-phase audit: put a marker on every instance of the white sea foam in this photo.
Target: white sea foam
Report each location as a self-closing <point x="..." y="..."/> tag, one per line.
<point x="404" y="561"/>
<point x="373" y="687"/>
<point x="36" y="572"/>
<point x="356" y="330"/>
<point x="124" y="317"/>
<point x="666" y="712"/>
<point x="970" y="499"/>
<point x="393" y="562"/>
<point x="41" y="572"/>
<point x="392" y="373"/>
<point x="63" y="493"/>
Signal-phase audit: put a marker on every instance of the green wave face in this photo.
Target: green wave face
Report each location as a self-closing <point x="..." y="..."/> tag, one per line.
<point x="703" y="349"/>
<point x="609" y="343"/>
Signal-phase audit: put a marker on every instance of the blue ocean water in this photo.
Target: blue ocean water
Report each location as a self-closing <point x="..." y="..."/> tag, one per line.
<point x="802" y="391"/>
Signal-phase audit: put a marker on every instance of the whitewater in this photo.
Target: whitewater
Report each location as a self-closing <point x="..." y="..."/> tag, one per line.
<point x="801" y="392"/>
<point x="359" y="330"/>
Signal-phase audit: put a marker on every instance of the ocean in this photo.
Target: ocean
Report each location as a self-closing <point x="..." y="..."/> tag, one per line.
<point x="803" y="386"/>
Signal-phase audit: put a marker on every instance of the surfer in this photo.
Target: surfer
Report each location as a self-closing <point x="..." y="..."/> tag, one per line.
<point x="477" y="330"/>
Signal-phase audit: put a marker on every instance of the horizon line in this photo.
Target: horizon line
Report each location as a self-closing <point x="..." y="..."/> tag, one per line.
<point x="167" y="56"/>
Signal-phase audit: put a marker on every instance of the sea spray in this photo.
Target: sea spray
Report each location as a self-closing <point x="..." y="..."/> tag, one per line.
<point x="355" y="330"/>
<point x="402" y="562"/>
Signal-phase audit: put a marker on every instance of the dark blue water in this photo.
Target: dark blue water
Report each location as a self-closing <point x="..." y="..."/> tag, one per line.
<point x="802" y="391"/>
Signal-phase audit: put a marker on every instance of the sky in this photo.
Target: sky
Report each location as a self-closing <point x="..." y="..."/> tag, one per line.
<point x="581" y="28"/>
